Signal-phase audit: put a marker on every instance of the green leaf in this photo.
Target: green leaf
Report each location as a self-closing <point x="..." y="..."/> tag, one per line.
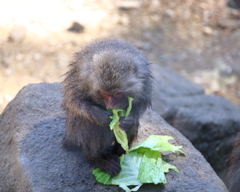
<point x="130" y="99"/>
<point x="102" y="177"/>
<point x="115" y="118"/>
<point x="121" y="137"/>
<point x="157" y="143"/>
<point x="130" y="170"/>
<point x="120" y="134"/>
<point x="152" y="162"/>
<point x="128" y="175"/>
<point x="167" y="166"/>
<point x="143" y="164"/>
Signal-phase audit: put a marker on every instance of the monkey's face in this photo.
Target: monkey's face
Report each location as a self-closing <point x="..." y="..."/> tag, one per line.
<point x="113" y="101"/>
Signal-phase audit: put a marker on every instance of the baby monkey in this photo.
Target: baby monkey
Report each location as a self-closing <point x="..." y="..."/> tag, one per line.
<point x="101" y="75"/>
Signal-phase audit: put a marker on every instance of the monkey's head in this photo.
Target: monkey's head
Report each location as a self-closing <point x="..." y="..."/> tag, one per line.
<point x="115" y="75"/>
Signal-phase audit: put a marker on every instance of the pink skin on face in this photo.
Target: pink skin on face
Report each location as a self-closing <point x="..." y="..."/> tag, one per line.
<point x="112" y="101"/>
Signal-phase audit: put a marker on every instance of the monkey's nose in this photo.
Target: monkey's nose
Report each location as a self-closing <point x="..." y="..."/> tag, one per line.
<point x="112" y="105"/>
<point x="111" y="102"/>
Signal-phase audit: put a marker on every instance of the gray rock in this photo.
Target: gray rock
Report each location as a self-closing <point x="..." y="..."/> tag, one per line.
<point x="76" y="27"/>
<point x="209" y="122"/>
<point x="234" y="4"/>
<point x="32" y="157"/>
<point x="236" y="70"/>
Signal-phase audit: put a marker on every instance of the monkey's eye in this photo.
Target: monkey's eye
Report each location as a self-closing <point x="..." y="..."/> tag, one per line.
<point x="104" y="94"/>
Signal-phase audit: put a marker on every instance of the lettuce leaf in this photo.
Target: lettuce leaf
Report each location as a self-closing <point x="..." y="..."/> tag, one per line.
<point x="120" y="134"/>
<point x="127" y="177"/>
<point x="152" y="162"/>
<point x="143" y="164"/>
<point x="157" y="143"/>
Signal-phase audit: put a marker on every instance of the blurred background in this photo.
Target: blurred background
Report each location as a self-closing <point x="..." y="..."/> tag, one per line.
<point x="198" y="39"/>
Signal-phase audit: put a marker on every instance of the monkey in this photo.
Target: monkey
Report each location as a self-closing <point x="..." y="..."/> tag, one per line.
<point x="104" y="74"/>
<point x="233" y="167"/>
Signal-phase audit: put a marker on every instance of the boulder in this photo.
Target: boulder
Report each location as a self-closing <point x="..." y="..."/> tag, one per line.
<point x="32" y="158"/>
<point x="234" y="4"/>
<point x="209" y="122"/>
<point x="76" y="27"/>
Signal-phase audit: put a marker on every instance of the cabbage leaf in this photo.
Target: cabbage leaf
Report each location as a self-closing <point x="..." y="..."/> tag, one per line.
<point x="143" y="164"/>
<point x="120" y="134"/>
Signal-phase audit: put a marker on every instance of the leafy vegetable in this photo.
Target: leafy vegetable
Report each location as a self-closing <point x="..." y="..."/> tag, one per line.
<point x="144" y="156"/>
<point x="120" y="134"/>
<point x="128" y="175"/>
<point x="157" y="143"/>
<point x="143" y="163"/>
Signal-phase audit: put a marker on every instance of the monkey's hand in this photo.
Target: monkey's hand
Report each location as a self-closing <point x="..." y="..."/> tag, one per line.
<point x="102" y="117"/>
<point x="126" y="123"/>
<point x="112" y="165"/>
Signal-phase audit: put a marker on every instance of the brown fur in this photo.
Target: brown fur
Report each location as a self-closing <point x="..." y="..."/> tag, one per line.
<point x="111" y="66"/>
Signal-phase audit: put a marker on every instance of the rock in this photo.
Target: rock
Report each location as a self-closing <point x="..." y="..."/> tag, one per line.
<point x="230" y="24"/>
<point x="37" y="56"/>
<point x="236" y="70"/>
<point x="6" y="61"/>
<point x="169" y="14"/>
<point x="234" y="4"/>
<point x="76" y="28"/>
<point x="19" y="57"/>
<point x="209" y="122"/>
<point x="32" y="157"/>
<point x="17" y="34"/>
<point x="207" y="30"/>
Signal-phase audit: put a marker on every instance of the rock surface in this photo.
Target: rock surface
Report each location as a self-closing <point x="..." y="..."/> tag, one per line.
<point x="235" y="4"/>
<point x="209" y="122"/>
<point x="32" y="158"/>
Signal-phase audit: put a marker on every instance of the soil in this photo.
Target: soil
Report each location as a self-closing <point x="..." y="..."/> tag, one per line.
<point x="198" y="39"/>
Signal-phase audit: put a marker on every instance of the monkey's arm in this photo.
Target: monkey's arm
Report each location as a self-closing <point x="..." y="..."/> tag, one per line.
<point x="88" y="110"/>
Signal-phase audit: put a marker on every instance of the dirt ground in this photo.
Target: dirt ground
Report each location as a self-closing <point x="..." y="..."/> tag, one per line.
<point x="198" y="39"/>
